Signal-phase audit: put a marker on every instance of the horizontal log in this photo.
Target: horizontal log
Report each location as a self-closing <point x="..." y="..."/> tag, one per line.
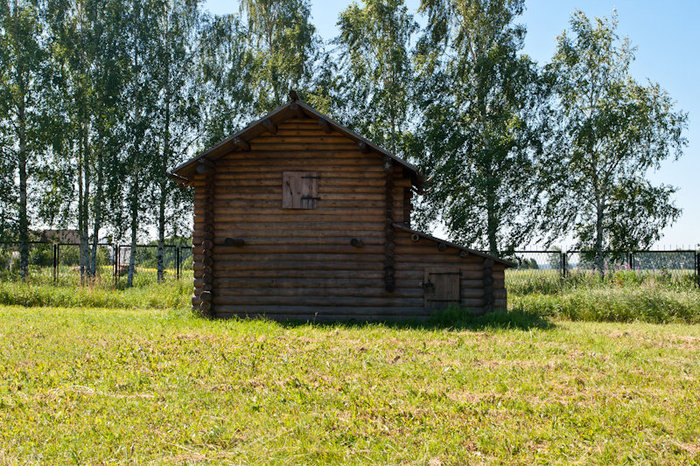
<point x="292" y="241"/>
<point x="329" y="318"/>
<point x="327" y="310"/>
<point x="327" y="172"/>
<point x="224" y="252"/>
<point x="295" y="265"/>
<point x="318" y="137"/>
<point x="316" y="301"/>
<point x="322" y="156"/>
<point x="320" y="214"/>
<point x="232" y="276"/>
<point x="347" y="203"/>
<point x="230" y="260"/>
<point x="311" y="146"/>
<point x="255" y="235"/>
<point x="316" y="216"/>
<point x="334" y="229"/>
<point x="304" y="293"/>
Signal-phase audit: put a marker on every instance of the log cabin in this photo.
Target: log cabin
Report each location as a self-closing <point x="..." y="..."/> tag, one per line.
<point x="299" y="218"/>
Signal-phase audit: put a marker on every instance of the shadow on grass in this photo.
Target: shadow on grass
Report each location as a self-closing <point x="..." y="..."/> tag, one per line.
<point x="450" y="320"/>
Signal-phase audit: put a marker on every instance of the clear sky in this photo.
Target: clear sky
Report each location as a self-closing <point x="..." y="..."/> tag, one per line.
<point x="667" y="36"/>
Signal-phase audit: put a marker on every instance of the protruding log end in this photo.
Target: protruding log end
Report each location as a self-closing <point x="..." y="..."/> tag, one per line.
<point x="415" y="237"/>
<point x="241" y="144"/>
<point x="234" y="242"/>
<point x="357" y="243"/>
<point x="441" y="246"/>
<point x="363" y="146"/>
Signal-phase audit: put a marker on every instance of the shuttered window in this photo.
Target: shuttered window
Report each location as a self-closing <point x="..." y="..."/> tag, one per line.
<point x="299" y="190"/>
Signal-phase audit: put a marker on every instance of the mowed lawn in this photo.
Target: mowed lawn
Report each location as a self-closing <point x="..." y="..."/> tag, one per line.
<point x="118" y="386"/>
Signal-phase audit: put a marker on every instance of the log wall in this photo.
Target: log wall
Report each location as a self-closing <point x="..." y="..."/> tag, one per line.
<point x="304" y="264"/>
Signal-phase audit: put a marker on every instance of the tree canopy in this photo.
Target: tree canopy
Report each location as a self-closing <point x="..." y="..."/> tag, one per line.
<point x="99" y="98"/>
<point x="610" y="131"/>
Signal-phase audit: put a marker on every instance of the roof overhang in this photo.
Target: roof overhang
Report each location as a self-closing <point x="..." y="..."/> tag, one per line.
<point x="184" y="172"/>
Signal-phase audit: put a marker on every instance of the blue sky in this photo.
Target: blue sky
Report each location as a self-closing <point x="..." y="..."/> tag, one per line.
<point x="668" y="39"/>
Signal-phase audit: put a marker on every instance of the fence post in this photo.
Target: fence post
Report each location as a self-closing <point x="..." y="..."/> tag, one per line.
<point x="697" y="268"/>
<point x="630" y="260"/>
<point x="55" y="264"/>
<point x="116" y="263"/>
<point x="177" y="262"/>
<point x="564" y="265"/>
<point x="58" y="260"/>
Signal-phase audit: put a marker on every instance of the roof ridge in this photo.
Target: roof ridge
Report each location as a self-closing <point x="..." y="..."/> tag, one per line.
<point x="223" y="146"/>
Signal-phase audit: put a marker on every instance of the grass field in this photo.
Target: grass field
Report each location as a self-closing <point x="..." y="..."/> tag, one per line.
<point x="624" y="296"/>
<point x="117" y="386"/>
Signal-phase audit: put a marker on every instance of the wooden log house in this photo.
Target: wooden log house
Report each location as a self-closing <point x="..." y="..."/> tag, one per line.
<point x="299" y="218"/>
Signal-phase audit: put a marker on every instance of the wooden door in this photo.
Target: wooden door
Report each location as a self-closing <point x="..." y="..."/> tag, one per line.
<point x="441" y="288"/>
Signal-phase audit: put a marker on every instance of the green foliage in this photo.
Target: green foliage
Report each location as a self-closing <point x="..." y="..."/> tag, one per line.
<point x="377" y="76"/>
<point x="284" y="48"/>
<point x="610" y="132"/>
<point x="481" y="99"/>
<point x="99" y="99"/>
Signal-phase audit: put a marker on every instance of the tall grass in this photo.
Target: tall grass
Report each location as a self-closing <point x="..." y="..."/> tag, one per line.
<point x="622" y="296"/>
<point x="145" y="294"/>
<point x="525" y="282"/>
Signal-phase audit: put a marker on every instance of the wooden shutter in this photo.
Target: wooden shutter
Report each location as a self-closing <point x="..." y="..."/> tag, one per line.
<point x="442" y="288"/>
<point x="299" y="190"/>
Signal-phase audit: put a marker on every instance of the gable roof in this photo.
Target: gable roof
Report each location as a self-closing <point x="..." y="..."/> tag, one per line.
<point x="295" y="108"/>
<point x="407" y="229"/>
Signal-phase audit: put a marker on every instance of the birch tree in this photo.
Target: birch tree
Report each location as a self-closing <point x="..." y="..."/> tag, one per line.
<point x="612" y="132"/>
<point x="23" y="59"/>
<point x="285" y="49"/>
<point x="374" y="47"/>
<point x="480" y="97"/>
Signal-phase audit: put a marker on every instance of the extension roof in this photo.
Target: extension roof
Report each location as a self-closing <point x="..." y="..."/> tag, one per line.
<point x="295" y="108"/>
<point x="407" y="229"/>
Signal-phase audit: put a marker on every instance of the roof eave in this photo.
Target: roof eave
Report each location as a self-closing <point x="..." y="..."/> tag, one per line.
<point x="408" y="229"/>
<point x="182" y="170"/>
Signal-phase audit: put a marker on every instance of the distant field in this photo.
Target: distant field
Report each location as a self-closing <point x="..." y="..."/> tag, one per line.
<point x="117" y="386"/>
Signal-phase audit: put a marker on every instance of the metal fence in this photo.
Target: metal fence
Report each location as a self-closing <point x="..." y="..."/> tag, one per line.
<point x="680" y="266"/>
<point x="60" y="262"/>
